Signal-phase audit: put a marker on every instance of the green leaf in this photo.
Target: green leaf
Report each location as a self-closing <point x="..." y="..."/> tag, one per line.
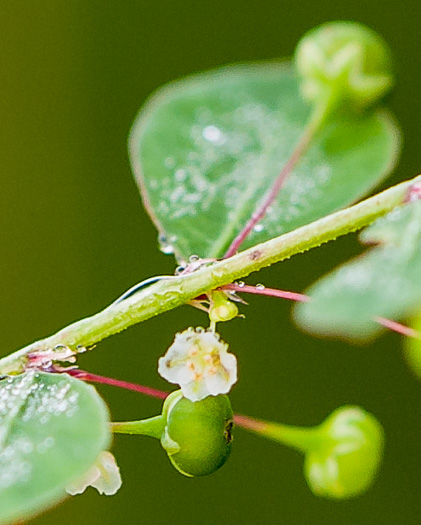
<point x="205" y="149"/>
<point x="52" y="429"/>
<point x="385" y="282"/>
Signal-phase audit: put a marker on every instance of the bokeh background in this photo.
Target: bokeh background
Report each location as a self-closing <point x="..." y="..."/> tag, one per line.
<point x="74" y="236"/>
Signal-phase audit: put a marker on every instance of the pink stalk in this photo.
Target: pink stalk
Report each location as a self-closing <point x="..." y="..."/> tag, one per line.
<point x="271" y="292"/>
<point x="93" y="378"/>
<point x="397" y="327"/>
<point x="249" y="423"/>
<point x="271" y="195"/>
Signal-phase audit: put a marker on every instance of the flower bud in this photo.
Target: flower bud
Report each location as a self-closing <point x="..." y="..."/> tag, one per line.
<point x="222" y="309"/>
<point x="197" y="436"/>
<point x="347" y="454"/>
<point x="345" y="61"/>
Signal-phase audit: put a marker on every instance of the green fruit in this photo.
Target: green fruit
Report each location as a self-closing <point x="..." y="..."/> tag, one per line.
<point x="197" y="436"/>
<point x="347" y="456"/>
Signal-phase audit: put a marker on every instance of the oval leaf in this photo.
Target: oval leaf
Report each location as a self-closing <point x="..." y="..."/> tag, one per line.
<point x="204" y="150"/>
<point x="385" y="282"/>
<point x="52" y="429"/>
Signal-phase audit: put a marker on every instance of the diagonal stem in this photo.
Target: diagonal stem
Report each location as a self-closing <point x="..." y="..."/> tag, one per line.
<point x="269" y="292"/>
<point x="94" y="378"/>
<point x="170" y="293"/>
<point x="397" y="327"/>
<point x="316" y="120"/>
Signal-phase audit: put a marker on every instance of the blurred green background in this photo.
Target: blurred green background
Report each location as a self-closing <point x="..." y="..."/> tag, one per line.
<point x="74" y="236"/>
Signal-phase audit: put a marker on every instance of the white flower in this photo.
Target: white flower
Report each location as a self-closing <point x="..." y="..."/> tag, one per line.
<point x="104" y="476"/>
<point x="198" y="361"/>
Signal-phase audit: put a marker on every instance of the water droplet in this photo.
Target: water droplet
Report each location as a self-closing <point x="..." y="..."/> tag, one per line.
<point x="169" y="162"/>
<point x="260" y="286"/>
<point x="258" y="228"/>
<point x="179" y="270"/>
<point x="165" y="245"/>
<point x="194" y="258"/>
<point x="241" y="284"/>
<point x="199" y="330"/>
<point x="214" y="135"/>
<point x="180" y="175"/>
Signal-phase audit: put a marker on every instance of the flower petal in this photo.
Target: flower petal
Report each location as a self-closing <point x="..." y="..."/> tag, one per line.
<point x="104" y="476"/>
<point x="198" y="361"/>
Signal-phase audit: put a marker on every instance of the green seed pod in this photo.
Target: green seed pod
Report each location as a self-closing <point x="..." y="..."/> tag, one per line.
<point x="344" y="62"/>
<point x="347" y="454"/>
<point x="197" y="436"/>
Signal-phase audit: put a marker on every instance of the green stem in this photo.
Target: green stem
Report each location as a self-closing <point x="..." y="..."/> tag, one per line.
<point x="170" y="293"/>
<point x="302" y="439"/>
<point x="152" y="427"/>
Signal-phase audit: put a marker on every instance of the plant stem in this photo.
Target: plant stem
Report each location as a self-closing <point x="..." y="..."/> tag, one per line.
<point x="397" y="327"/>
<point x="94" y="378"/>
<point x="170" y="293"/>
<point x="318" y="117"/>
<point x="152" y="427"/>
<point x="300" y="438"/>
<point x="269" y="292"/>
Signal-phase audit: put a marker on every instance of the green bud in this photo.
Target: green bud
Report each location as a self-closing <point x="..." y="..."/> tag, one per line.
<point x="344" y="62"/>
<point x="197" y="435"/>
<point x="222" y="309"/>
<point x="345" y="458"/>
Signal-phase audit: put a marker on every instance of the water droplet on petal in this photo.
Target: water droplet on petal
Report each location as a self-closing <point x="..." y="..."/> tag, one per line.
<point x="194" y="258"/>
<point x="241" y="284"/>
<point x="258" y="228"/>
<point x="260" y="286"/>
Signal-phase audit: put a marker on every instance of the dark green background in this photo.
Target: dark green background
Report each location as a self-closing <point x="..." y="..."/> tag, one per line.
<point x="74" y="236"/>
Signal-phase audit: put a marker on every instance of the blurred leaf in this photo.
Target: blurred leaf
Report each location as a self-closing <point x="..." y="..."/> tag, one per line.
<point x="384" y="282"/>
<point x="52" y="429"/>
<point x="205" y="149"/>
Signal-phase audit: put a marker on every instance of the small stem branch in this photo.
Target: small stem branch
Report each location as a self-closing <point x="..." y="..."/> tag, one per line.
<point x="300" y="438"/>
<point x="94" y="378"/>
<point x="152" y="427"/>
<point x="170" y="293"/>
<point x="270" y="292"/>
<point x="316" y="120"/>
<point x="397" y="327"/>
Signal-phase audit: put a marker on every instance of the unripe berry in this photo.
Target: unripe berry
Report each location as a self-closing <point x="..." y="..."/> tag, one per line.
<point x="197" y="435"/>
